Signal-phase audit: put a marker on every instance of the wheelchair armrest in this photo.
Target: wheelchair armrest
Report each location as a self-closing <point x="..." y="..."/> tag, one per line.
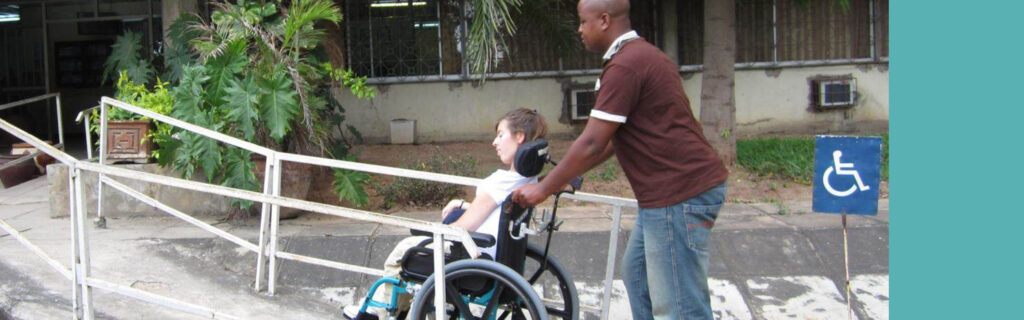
<point x="482" y="240"/>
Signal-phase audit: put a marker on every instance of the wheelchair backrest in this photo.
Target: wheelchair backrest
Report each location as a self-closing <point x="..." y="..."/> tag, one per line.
<point x="529" y="161"/>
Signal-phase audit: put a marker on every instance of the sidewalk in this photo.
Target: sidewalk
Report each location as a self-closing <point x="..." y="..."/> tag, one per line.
<point x="755" y="247"/>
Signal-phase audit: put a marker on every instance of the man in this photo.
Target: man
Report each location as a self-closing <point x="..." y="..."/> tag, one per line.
<point x="643" y="116"/>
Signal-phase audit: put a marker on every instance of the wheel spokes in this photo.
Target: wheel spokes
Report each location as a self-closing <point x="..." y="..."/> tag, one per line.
<point x="455" y="298"/>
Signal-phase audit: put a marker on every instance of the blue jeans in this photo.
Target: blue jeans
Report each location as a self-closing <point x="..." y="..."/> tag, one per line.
<point x="665" y="266"/>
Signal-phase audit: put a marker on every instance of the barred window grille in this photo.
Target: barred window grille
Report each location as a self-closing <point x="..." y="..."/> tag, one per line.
<point x="792" y="30"/>
<point x="393" y="37"/>
<point x="423" y="39"/>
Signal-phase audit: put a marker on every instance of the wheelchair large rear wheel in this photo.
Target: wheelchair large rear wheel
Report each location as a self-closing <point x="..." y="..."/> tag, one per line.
<point x="557" y="290"/>
<point x="512" y="297"/>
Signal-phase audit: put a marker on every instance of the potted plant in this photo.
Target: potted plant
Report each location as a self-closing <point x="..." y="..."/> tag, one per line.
<point x="258" y="74"/>
<point x="129" y="135"/>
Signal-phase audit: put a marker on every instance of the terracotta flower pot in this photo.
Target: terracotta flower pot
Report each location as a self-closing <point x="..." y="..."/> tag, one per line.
<point x="126" y="141"/>
<point x="296" y="179"/>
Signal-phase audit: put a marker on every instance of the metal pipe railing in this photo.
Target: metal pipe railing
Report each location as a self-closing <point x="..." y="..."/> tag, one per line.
<point x="272" y="201"/>
<point x="274" y="161"/>
<point x="60" y="121"/>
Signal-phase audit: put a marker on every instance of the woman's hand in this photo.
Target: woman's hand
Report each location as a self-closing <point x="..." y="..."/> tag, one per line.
<point x="452" y="205"/>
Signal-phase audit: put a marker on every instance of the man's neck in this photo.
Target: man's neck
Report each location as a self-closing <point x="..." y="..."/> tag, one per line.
<point x="617" y="43"/>
<point x="612" y="36"/>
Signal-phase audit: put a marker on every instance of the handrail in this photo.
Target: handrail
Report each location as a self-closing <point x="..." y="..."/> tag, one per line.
<point x="28" y="100"/>
<point x="187" y="126"/>
<point x="60" y="120"/>
<point x="272" y="190"/>
<point x="279" y="200"/>
<point x="342" y="164"/>
<point x="80" y="273"/>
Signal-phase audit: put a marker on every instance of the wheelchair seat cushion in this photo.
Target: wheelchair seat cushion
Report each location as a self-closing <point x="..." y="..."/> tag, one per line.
<point x="418" y="262"/>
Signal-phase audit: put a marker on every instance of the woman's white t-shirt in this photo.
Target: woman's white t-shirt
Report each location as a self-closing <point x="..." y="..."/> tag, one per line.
<point x="498" y="186"/>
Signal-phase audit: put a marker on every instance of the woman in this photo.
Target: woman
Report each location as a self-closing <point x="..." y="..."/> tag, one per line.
<point x="513" y="129"/>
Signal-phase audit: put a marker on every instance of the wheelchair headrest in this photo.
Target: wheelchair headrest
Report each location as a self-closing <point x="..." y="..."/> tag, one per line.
<point x="531" y="156"/>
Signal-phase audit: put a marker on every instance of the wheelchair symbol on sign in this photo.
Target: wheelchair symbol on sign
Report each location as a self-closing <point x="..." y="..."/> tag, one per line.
<point x="842" y="169"/>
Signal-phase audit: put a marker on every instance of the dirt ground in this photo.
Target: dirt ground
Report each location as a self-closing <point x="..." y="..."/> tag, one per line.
<point x="606" y="179"/>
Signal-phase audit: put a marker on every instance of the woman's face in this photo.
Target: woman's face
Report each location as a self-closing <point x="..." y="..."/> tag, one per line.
<point x="506" y="143"/>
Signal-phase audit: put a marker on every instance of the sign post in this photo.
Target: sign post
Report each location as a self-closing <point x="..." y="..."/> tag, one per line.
<point x="847" y="171"/>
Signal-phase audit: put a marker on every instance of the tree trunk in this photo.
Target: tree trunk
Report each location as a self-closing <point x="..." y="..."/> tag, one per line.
<point x="334" y="42"/>
<point x="718" y="103"/>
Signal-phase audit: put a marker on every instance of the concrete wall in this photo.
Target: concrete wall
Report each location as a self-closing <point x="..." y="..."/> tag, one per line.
<point x="768" y="101"/>
<point x="453" y="111"/>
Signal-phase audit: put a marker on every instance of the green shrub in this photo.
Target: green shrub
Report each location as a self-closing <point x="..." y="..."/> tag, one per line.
<point x="417" y="192"/>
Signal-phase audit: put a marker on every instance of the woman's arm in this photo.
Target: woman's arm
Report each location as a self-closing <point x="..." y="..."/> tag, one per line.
<point x="478" y="211"/>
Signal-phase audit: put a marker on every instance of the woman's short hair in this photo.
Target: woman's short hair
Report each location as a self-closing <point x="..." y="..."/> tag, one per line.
<point x="526" y="121"/>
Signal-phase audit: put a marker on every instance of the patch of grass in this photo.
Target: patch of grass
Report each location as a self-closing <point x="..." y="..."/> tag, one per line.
<point x="788" y="158"/>
<point x="424" y="193"/>
<point x="606" y="172"/>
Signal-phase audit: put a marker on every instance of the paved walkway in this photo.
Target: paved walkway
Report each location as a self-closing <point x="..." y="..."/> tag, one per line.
<point x="769" y="261"/>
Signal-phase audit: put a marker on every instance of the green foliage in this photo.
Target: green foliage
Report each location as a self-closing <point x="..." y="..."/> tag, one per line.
<point x="177" y="53"/>
<point x="279" y="105"/>
<point x="243" y="100"/>
<point x="257" y="75"/>
<point x="418" y="192"/>
<point x="348" y="185"/>
<point x="158" y="99"/>
<point x="491" y="23"/>
<point x="788" y="158"/>
<point x="126" y="56"/>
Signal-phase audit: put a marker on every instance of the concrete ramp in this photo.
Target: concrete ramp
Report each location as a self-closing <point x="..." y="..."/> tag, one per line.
<point x="763" y="265"/>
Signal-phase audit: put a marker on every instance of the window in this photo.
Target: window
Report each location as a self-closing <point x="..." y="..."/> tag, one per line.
<point x="393" y="37"/>
<point x="423" y="38"/>
<point x="792" y="30"/>
<point x="582" y="101"/>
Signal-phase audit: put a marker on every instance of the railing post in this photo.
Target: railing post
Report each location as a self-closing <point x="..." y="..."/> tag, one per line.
<point x="609" y="273"/>
<point x="261" y="260"/>
<point x="103" y="161"/>
<point x="88" y="140"/>
<point x="439" y="277"/>
<point x="60" y="125"/>
<point x="76" y="293"/>
<point x="83" y="264"/>
<point x="275" y="219"/>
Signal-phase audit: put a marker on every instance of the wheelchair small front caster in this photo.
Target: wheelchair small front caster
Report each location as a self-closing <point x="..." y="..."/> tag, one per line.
<point x="100" y="222"/>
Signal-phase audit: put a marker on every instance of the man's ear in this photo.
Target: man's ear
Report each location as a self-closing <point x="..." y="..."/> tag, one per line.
<point x="521" y="137"/>
<point x="606" y="21"/>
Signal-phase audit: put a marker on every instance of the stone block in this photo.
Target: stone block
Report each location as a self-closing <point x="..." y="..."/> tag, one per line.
<point x="119" y="204"/>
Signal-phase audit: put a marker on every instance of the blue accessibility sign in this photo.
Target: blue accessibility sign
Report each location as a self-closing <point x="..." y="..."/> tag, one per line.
<point x="846" y="174"/>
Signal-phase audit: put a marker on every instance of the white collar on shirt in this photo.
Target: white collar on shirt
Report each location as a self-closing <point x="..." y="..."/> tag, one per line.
<point x="617" y="44"/>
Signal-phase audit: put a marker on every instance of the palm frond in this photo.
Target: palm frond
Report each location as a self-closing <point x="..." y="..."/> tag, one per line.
<point x="303" y="14"/>
<point x="491" y="24"/>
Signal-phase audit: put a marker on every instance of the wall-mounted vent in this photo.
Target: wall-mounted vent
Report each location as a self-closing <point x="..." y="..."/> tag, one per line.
<point x="581" y="102"/>
<point x="835" y="93"/>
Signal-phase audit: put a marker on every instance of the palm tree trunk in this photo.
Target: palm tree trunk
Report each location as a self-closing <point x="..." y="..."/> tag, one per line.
<point x="718" y="103"/>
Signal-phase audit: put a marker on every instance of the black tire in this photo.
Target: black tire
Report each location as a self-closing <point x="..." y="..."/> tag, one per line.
<point x="552" y="276"/>
<point x="513" y="295"/>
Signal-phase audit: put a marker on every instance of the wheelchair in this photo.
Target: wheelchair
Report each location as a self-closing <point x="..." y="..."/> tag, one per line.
<point x="522" y="282"/>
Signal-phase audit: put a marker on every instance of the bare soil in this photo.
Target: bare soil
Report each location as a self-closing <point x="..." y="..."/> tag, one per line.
<point x="607" y="179"/>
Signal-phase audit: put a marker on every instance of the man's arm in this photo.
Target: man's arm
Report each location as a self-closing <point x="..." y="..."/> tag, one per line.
<point x="590" y="149"/>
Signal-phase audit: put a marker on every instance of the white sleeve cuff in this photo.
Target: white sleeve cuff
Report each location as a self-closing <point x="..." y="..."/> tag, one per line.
<point x="607" y="116"/>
